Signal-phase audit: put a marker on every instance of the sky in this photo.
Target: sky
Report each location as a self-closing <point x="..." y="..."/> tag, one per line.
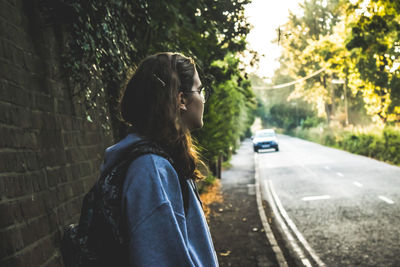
<point x="266" y="16"/>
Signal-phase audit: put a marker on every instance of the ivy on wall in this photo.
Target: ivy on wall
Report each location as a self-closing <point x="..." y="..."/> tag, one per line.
<point x="99" y="52"/>
<point x="108" y="37"/>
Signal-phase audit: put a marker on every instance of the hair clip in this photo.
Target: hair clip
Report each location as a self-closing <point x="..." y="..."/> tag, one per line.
<point x="161" y="81"/>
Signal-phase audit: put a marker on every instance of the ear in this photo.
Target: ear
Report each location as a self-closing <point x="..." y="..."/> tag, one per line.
<point x="182" y="101"/>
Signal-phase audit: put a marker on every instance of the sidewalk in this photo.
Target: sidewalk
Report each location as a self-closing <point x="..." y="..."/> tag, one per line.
<point x="235" y="224"/>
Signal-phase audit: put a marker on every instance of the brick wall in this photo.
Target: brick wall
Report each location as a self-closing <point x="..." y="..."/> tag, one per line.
<point x="49" y="153"/>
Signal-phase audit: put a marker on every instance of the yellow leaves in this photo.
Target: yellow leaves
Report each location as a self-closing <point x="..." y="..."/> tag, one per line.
<point x="377" y="102"/>
<point x="317" y="94"/>
<point x="224" y="254"/>
<point x="395" y="116"/>
<point x="354" y="82"/>
<point x="212" y="195"/>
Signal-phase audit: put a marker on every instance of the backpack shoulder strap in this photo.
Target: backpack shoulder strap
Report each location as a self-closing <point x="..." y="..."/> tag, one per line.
<point x="101" y="213"/>
<point x="145" y="147"/>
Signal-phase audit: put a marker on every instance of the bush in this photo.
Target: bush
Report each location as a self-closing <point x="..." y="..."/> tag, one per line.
<point x="329" y="139"/>
<point x="311" y="122"/>
<point x="391" y="138"/>
<point x="381" y="144"/>
<point x="288" y="117"/>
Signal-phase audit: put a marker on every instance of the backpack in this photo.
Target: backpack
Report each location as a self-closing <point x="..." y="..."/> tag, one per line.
<point x="99" y="239"/>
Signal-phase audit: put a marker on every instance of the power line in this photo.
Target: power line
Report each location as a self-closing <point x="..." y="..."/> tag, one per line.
<point x="291" y="83"/>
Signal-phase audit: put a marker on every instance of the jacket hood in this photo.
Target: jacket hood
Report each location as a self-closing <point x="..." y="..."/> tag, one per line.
<point x="116" y="152"/>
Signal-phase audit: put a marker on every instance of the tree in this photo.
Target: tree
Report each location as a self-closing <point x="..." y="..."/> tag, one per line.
<point x="357" y="46"/>
<point x="303" y="33"/>
<point x="109" y="38"/>
<point x="374" y="42"/>
<point x="228" y="114"/>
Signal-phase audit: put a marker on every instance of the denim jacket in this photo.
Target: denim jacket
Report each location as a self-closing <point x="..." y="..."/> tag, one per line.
<point x="160" y="233"/>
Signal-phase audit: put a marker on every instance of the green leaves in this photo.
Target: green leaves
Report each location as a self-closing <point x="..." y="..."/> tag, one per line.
<point x="355" y="44"/>
<point x="376" y="32"/>
<point x="108" y="38"/>
<point x="228" y="114"/>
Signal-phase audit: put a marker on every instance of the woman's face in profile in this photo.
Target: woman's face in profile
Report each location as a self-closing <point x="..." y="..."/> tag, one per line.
<point x="193" y="102"/>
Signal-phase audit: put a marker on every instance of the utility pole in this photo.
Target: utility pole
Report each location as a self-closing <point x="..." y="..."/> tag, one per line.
<point x="346" y="111"/>
<point x="297" y="113"/>
<point x="344" y="82"/>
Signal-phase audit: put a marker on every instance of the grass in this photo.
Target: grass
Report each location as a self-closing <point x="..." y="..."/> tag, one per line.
<point x="226" y="165"/>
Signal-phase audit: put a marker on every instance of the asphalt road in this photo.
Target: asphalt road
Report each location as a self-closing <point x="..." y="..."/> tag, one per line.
<point x="346" y="206"/>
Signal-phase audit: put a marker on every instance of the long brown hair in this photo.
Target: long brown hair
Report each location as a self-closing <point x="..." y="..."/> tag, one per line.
<point x="149" y="105"/>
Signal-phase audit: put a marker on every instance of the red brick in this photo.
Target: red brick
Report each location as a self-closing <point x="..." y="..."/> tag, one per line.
<point x="39" y="122"/>
<point x="11" y="161"/>
<point x="10" y="213"/>
<point x="32" y="207"/>
<point x="10" y="241"/>
<point x="10" y="14"/>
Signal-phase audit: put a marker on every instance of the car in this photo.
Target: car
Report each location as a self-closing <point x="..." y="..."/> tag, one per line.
<point x="265" y="139"/>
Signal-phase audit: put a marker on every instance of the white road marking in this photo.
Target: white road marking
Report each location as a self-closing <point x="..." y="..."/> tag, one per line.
<point x="268" y="232"/>
<point x="315" y="198"/>
<point x="276" y="204"/>
<point x="281" y="221"/>
<point x="340" y="174"/>
<point x="358" y="184"/>
<point x="387" y="200"/>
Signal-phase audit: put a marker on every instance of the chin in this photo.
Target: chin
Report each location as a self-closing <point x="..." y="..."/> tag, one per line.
<point x="197" y="126"/>
<point x="201" y="124"/>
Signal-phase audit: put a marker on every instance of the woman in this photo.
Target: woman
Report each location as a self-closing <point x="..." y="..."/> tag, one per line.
<point x="162" y="103"/>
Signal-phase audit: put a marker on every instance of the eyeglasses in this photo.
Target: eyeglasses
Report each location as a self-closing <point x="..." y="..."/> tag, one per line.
<point x="204" y="93"/>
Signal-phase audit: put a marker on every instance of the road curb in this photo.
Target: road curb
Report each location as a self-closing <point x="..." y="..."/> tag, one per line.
<point x="298" y="246"/>
<point x="268" y="232"/>
<point x="286" y="222"/>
